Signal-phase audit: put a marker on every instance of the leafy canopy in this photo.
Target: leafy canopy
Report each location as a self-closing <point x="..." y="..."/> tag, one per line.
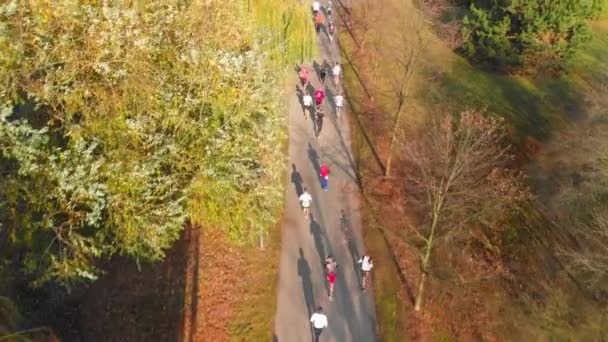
<point x="120" y="122"/>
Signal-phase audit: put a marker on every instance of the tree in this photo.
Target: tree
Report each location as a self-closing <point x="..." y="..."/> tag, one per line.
<point x="459" y="166"/>
<point x="527" y="34"/>
<point x="581" y="205"/>
<point x="405" y="52"/>
<point x="122" y="120"/>
<point x="587" y="255"/>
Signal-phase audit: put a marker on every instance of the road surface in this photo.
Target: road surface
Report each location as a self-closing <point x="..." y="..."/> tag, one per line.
<point x="334" y="228"/>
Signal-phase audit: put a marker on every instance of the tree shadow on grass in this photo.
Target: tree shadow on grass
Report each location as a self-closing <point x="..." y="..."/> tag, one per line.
<point x="127" y="304"/>
<point x="533" y="107"/>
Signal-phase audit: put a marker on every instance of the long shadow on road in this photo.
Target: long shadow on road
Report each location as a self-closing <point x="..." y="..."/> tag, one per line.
<point x="349" y="240"/>
<point x="313" y="156"/>
<point x="296" y="179"/>
<point x="304" y="273"/>
<point x="317" y="234"/>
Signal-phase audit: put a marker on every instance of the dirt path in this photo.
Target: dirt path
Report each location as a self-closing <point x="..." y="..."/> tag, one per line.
<point x="333" y="230"/>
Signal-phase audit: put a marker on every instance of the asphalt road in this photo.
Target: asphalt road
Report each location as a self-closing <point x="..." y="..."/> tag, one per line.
<point x="333" y="229"/>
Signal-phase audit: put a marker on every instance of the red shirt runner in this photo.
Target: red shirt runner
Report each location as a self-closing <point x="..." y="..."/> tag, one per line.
<point x="319" y="96"/>
<point x="304" y="75"/>
<point x="324" y="171"/>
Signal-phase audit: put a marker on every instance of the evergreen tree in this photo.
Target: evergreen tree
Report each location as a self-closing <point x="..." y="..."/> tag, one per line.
<point x="528" y="34"/>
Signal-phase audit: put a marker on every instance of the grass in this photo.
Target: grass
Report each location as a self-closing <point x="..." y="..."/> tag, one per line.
<point x="291" y="26"/>
<point x="538" y="108"/>
<point x="534" y="107"/>
<point x="257" y="300"/>
<point x="389" y="303"/>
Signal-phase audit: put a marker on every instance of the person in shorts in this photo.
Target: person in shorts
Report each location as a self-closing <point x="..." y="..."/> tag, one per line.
<point x="319" y="116"/>
<point x="330" y="272"/>
<point x="331" y="29"/>
<point x="336" y="73"/>
<point x="319" y="322"/>
<point x="318" y="22"/>
<point x="367" y="263"/>
<point x="322" y="74"/>
<point x="339" y="101"/>
<point x="305" y="201"/>
<point x="304" y="76"/>
<point x="307" y="102"/>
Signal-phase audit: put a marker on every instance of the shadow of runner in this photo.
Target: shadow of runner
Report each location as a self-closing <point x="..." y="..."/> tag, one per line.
<point x="304" y="273"/>
<point x="347" y="154"/>
<point x="319" y="122"/>
<point x="296" y="179"/>
<point x="310" y="89"/>
<point x="349" y="240"/>
<point x="317" y="234"/>
<point x="300" y="94"/>
<point x="317" y="68"/>
<point x="313" y="156"/>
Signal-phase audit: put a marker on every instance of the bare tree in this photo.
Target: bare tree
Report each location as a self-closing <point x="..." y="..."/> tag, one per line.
<point x="580" y="206"/>
<point x="404" y="51"/>
<point x="459" y="168"/>
<point x="587" y="255"/>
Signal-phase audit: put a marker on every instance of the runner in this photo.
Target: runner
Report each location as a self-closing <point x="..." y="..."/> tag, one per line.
<point x="305" y="200"/>
<point x="338" y="100"/>
<point x="336" y="72"/>
<point x="331" y="29"/>
<point x="316" y="6"/>
<point x="322" y="73"/>
<point x="324" y="174"/>
<point x="307" y="102"/>
<point x="319" y="121"/>
<point x="328" y="8"/>
<point x="319" y="321"/>
<point x="304" y="76"/>
<point x="318" y="22"/>
<point x="330" y="269"/>
<point x="319" y="97"/>
<point x="366" y="266"/>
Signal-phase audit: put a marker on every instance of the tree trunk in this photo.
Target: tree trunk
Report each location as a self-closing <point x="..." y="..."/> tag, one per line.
<point x="424" y="263"/>
<point x="420" y="291"/>
<point x="389" y="160"/>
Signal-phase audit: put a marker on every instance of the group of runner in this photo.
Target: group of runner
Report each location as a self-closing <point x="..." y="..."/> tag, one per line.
<point x="316" y="113"/>
<point x="331" y="267"/>
<point x="319" y="319"/>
